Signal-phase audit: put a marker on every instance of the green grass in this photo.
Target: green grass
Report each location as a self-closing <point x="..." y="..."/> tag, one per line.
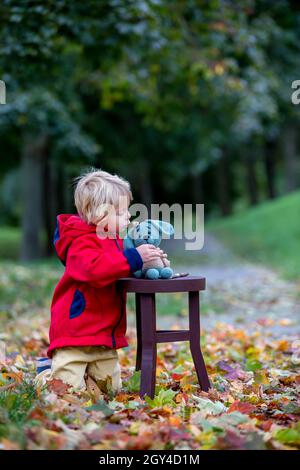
<point x="32" y="283"/>
<point x="10" y="242"/>
<point x="268" y="234"/>
<point x="15" y="405"/>
<point x="29" y="288"/>
<point x="15" y="408"/>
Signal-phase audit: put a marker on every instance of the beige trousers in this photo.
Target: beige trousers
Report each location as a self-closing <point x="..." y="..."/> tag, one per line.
<point x="70" y="364"/>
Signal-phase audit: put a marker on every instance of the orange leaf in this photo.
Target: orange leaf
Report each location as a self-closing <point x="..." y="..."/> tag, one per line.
<point x="242" y="407"/>
<point x="283" y="345"/>
<point x="178" y="376"/>
<point x="17" y="376"/>
<point x="58" y="386"/>
<point x="265" y="425"/>
<point x="122" y="397"/>
<point x="175" y="421"/>
<point x="38" y="414"/>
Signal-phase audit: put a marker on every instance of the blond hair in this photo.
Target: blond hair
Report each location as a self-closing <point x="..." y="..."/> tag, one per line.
<point x="96" y="192"/>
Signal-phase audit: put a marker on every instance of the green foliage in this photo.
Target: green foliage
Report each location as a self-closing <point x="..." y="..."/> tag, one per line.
<point x="33" y="283"/>
<point x="16" y="405"/>
<point x="133" y="84"/>
<point x="289" y="436"/>
<point x="101" y="405"/>
<point x="10" y="241"/>
<point x="252" y="364"/>
<point x="163" y="398"/>
<point x="209" y="407"/>
<point x="133" y="384"/>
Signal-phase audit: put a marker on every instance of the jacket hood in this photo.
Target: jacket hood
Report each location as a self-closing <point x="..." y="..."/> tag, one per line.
<point x="69" y="227"/>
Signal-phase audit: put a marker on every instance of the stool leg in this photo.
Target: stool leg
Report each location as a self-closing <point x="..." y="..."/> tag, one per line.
<point x="149" y="352"/>
<point x="194" y="325"/>
<point x="138" y="331"/>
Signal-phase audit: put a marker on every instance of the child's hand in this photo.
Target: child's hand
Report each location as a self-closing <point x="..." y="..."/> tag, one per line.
<point x="149" y="252"/>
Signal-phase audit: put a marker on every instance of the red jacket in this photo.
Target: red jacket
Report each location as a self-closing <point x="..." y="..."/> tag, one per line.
<point x="87" y="309"/>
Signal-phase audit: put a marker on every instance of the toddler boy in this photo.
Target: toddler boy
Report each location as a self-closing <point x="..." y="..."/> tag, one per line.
<point x="88" y="313"/>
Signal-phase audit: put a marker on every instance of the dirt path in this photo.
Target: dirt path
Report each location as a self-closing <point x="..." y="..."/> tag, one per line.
<point x="237" y="292"/>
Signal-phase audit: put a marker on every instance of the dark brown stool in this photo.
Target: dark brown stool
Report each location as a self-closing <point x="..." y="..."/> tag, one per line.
<point x="148" y="336"/>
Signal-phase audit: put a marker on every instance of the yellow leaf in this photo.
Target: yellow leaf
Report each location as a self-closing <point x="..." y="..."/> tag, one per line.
<point x="87" y="403"/>
<point x="253" y="352"/>
<point x="159" y="370"/>
<point x="187" y="387"/>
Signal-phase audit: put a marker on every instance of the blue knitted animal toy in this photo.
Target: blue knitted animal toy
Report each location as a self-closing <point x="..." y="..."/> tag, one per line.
<point x="150" y="231"/>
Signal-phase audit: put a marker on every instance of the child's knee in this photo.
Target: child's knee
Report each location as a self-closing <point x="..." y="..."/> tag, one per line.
<point x="67" y="367"/>
<point x="107" y="374"/>
<point x="109" y="383"/>
<point x="70" y="377"/>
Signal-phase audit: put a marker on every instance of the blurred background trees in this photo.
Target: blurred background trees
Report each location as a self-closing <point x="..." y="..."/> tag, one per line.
<point x="189" y="100"/>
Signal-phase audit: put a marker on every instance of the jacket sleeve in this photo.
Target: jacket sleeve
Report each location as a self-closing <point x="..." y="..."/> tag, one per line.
<point x="88" y="261"/>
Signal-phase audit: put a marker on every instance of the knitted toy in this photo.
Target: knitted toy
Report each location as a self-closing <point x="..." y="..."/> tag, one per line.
<point x="150" y="231"/>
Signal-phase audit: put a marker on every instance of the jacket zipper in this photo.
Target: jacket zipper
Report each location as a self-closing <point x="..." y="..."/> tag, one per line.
<point x="121" y="316"/>
<point x="122" y="310"/>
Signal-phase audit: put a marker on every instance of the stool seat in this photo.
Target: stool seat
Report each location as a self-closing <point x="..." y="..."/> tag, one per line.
<point x="185" y="284"/>
<point x="148" y="336"/>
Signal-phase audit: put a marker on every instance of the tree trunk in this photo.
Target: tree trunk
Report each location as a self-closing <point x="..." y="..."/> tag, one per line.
<point x="32" y="217"/>
<point x="270" y="156"/>
<point x="251" y="179"/>
<point x="197" y="185"/>
<point x="50" y="203"/>
<point x="60" y="189"/>
<point x="145" y="186"/>
<point x="222" y="181"/>
<point x="290" y="158"/>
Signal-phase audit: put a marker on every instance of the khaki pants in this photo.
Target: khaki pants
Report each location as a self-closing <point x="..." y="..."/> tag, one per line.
<point x="70" y="364"/>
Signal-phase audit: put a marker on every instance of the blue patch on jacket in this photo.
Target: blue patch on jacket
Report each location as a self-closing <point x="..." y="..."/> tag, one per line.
<point x="78" y="304"/>
<point x="56" y="233"/>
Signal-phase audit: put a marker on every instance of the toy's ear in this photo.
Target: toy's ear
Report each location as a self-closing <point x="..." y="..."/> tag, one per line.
<point x="163" y="227"/>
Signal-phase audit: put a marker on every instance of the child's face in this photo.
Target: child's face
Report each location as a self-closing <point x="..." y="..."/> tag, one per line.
<point x="119" y="219"/>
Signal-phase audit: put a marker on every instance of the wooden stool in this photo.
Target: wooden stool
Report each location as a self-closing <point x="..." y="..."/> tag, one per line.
<point x="148" y="336"/>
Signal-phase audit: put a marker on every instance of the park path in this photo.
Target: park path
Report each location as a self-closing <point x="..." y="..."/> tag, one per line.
<point x="240" y="293"/>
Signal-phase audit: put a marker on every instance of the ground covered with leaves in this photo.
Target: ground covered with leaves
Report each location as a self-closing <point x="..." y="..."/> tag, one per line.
<point x="253" y="402"/>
